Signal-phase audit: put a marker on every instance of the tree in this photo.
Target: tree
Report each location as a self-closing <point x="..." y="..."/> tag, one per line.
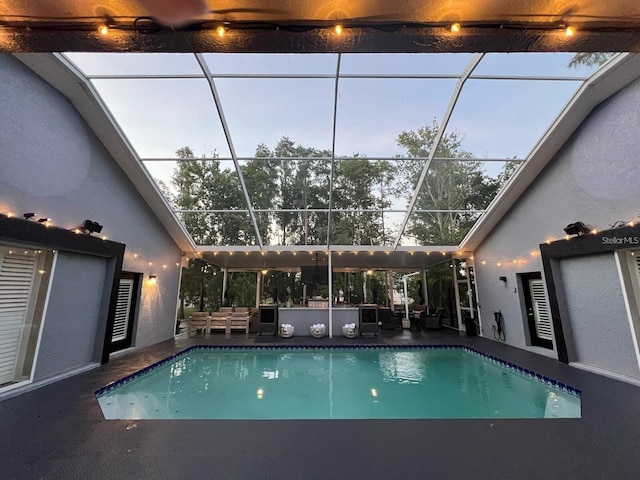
<point x="356" y="186"/>
<point x="448" y="185"/>
<point x="299" y="184"/>
<point x="202" y="185"/>
<point x="589" y="59"/>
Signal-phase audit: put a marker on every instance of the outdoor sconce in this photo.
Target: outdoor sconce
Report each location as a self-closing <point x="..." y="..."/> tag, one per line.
<point x="503" y="279"/>
<point x="29" y="215"/>
<point x="152" y="279"/>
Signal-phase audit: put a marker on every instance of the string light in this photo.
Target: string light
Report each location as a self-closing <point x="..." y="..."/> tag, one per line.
<point x="148" y="25"/>
<point x="522" y="259"/>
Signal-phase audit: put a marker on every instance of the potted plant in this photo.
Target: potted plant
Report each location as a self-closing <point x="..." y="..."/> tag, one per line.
<point x="349" y="330"/>
<point x="318" y="330"/>
<point x="286" y="330"/>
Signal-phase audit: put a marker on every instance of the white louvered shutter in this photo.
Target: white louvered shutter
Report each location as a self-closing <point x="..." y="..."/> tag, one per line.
<point x="17" y="273"/>
<point x="123" y="307"/>
<point x="541" y="311"/>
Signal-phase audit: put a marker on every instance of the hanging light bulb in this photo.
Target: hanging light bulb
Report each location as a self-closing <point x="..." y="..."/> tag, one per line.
<point x="338" y="29"/>
<point x="221" y="31"/>
<point x="103" y="29"/>
<point x="455" y="28"/>
<point x="569" y="31"/>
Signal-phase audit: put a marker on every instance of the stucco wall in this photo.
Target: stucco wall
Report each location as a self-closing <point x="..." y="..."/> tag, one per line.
<point x="597" y="314"/>
<point x="52" y="164"/>
<point x="593" y="179"/>
<point x="73" y="313"/>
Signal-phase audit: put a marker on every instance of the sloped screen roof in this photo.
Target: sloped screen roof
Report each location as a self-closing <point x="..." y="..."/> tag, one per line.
<point x="385" y="150"/>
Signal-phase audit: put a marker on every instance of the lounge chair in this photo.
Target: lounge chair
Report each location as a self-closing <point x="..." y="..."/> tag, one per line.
<point x="218" y="321"/>
<point x="199" y="321"/>
<point x="240" y="321"/>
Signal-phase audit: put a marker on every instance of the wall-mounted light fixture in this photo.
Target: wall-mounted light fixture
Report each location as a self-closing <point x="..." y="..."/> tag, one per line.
<point x="29" y="215"/>
<point x="503" y="279"/>
<point x="152" y="279"/>
<point x="89" y="226"/>
<point x="577" y="228"/>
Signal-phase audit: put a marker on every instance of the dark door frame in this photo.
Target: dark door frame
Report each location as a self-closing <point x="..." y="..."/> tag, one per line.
<point x="626" y="237"/>
<point x="526" y="278"/>
<point x="38" y="235"/>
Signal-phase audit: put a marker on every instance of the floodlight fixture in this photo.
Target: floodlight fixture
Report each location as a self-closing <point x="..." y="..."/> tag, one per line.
<point x="29" y="215"/>
<point x="577" y="228"/>
<point x="89" y="227"/>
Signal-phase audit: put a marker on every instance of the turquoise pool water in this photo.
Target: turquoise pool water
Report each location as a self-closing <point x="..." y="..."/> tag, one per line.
<point x="340" y="383"/>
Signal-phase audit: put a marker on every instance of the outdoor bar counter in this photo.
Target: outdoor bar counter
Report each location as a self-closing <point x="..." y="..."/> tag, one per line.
<point x="303" y="317"/>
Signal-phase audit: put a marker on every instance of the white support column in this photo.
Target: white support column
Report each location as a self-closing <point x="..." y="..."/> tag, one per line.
<point x="258" y="287"/>
<point x="425" y="290"/>
<point x="364" y="287"/>
<point x="456" y="290"/>
<point x="225" y="272"/>
<point x="330" y="296"/>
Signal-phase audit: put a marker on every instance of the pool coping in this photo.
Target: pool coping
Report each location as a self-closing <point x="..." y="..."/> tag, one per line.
<point x="510" y="365"/>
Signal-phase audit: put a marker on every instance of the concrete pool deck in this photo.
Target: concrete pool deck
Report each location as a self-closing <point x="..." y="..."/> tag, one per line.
<point x="58" y="431"/>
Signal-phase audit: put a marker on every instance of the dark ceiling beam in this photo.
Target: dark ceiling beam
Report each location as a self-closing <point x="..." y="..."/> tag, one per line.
<point x="356" y="40"/>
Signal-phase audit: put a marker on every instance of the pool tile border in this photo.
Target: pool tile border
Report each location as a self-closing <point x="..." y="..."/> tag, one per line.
<point x="524" y="371"/>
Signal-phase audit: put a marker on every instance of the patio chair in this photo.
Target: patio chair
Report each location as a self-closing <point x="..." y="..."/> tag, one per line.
<point x="388" y="320"/>
<point x="218" y="321"/>
<point x="199" y="321"/>
<point x="432" y="321"/>
<point x="240" y="321"/>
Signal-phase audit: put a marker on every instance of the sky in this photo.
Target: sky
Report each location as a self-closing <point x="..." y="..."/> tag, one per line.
<point x="497" y="118"/>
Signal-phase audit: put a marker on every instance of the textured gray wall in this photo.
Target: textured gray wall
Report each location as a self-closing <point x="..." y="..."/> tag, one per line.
<point x="597" y="314"/>
<point x="71" y="326"/>
<point x="52" y="164"/>
<point x="592" y="179"/>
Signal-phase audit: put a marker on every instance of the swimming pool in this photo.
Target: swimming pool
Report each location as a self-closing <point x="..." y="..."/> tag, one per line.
<point x="336" y="383"/>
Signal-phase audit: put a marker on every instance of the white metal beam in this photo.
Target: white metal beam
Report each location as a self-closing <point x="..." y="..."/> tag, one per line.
<point x="432" y="152"/>
<point x="216" y="98"/>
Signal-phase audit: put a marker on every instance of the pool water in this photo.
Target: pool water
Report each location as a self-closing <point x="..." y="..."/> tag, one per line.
<point x="335" y="383"/>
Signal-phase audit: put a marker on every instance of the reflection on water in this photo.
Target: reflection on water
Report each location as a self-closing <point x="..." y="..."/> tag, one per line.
<point x="340" y="383"/>
<point x="402" y="367"/>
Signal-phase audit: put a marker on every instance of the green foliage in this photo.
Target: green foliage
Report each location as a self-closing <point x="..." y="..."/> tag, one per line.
<point x="203" y="185"/>
<point x="589" y="59"/>
<point x="448" y="185"/>
<point x="296" y="179"/>
<point x="356" y="184"/>
<point x="296" y="184"/>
